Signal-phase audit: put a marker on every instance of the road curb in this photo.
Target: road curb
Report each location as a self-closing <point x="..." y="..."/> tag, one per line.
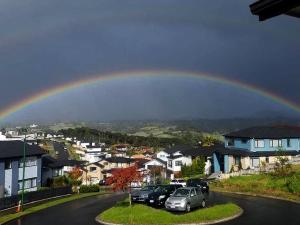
<point x="98" y="220"/>
<point x="257" y="195"/>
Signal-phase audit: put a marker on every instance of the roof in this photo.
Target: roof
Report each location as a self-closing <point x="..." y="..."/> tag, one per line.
<point x="14" y="149"/>
<point x="159" y="160"/>
<point x="177" y="148"/>
<point x="118" y="160"/>
<point x="51" y="162"/>
<point x="267" y="132"/>
<point x="274" y="153"/>
<point x="266" y="9"/>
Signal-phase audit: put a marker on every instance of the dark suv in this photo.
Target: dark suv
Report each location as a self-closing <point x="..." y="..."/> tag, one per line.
<point x="200" y="183"/>
<point x="161" y="193"/>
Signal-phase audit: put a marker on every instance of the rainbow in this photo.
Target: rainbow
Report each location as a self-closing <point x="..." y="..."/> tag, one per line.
<point x="17" y="106"/>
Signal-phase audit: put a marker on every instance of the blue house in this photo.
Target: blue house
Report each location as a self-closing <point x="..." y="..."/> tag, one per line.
<point x="11" y="167"/>
<point x="248" y="148"/>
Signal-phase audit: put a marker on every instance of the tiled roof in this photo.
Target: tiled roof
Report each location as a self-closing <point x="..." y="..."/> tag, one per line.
<point x="267" y="132"/>
<point x="14" y="149"/>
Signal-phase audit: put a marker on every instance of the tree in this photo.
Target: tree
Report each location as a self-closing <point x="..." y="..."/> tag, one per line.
<point x="74" y="176"/>
<point x="282" y="165"/>
<point x="196" y="168"/>
<point x="122" y="178"/>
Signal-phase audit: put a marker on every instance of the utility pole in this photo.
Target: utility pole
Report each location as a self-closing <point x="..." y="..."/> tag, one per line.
<point x="23" y="178"/>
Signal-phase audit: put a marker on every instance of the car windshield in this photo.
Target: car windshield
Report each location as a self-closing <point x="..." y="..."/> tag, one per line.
<point x="181" y="192"/>
<point x="160" y="189"/>
<point x="147" y="188"/>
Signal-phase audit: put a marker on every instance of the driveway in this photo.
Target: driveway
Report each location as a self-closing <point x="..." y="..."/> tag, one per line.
<point x="258" y="211"/>
<point x="62" y="153"/>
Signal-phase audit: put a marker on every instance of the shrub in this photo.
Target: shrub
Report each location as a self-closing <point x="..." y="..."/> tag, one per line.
<point x="293" y="183"/>
<point x="89" y="188"/>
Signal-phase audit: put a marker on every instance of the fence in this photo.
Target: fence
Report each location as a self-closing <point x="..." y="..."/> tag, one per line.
<point x="12" y="201"/>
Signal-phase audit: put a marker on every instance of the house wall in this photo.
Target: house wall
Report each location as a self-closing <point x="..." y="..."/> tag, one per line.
<point x="162" y="155"/>
<point x="92" y="177"/>
<point x="239" y="144"/>
<point x="2" y="177"/>
<point x="154" y="163"/>
<point x="216" y="163"/>
<point x="294" y="145"/>
<point x="185" y="161"/>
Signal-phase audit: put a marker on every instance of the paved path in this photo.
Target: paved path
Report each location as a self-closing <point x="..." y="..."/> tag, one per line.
<point x="258" y="211"/>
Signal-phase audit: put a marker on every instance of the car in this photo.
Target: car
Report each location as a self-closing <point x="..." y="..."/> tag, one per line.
<point x="161" y="193"/>
<point x="142" y="194"/>
<point x="178" y="181"/>
<point x="200" y="183"/>
<point x="184" y="199"/>
<point x="102" y="183"/>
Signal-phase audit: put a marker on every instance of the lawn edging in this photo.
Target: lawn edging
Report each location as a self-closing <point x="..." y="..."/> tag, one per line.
<point x="173" y="219"/>
<point x="9" y="217"/>
<point x="201" y="223"/>
<point x="255" y="195"/>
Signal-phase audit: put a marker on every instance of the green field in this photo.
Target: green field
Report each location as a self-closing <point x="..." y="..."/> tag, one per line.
<point x="144" y="215"/>
<point x="287" y="187"/>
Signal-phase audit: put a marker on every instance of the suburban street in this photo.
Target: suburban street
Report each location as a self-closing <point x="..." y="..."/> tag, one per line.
<point x="63" y="154"/>
<point x="257" y="210"/>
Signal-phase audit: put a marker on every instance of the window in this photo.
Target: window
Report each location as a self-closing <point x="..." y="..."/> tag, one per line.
<point x="178" y="163"/>
<point x="275" y="143"/>
<point x="170" y="163"/>
<point x="244" y="140"/>
<point x="267" y="159"/>
<point x="28" y="183"/>
<point x="259" y="143"/>
<point x="237" y="160"/>
<point x="7" y="164"/>
<point x="56" y="172"/>
<point x="30" y="161"/>
<point x="93" y="169"/>
<point x="288" y="142"/>
<point x="230" y="142"/>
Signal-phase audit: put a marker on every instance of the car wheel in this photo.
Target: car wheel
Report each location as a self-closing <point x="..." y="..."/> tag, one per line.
<point x="203" y="203"/>
<point x="188" y="207"/>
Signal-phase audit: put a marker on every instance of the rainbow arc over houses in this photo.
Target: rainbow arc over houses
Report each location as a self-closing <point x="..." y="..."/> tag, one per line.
<point x="51" y="91"/>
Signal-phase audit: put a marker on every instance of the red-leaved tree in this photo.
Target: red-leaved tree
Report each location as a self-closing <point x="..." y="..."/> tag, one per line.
<point x="122" y="178"/>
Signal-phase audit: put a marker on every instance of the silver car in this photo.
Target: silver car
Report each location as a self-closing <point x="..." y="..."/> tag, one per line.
<point x="184" y="199"/>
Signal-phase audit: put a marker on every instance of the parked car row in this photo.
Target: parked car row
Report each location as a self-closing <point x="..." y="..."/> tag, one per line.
<point x="174" y="197"/>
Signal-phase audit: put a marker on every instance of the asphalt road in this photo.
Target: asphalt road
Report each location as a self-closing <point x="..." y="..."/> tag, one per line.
<point x="62" y="153"/>
<point x="257" y="211"/>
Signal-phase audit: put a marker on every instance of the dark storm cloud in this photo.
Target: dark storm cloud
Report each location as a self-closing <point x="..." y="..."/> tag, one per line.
<point x="45" y="43"/>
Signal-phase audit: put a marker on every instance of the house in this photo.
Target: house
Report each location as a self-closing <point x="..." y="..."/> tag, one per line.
<point x="51" y="168"/>
<point x="92" y="173"/>
<point x="248" y="148"/>
<point x="156" y="167"/>
<point x="112" y="163"/>
<point x="177" y="156"/>
<point x="11" y="167"/>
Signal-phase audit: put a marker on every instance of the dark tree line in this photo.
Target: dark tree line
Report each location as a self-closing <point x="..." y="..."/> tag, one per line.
<point x="92" y="135"/>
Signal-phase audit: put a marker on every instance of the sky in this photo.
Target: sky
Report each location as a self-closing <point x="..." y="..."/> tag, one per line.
<point x="47" y="43"/>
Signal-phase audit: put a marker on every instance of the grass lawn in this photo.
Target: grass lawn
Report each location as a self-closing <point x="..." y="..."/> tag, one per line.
<point x="287" y="187"/>
<point x="144" y="215"/>
<point x="9" y="217"/>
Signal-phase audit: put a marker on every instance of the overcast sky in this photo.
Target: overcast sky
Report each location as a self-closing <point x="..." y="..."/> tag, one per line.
<point x="47" y="43"/>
